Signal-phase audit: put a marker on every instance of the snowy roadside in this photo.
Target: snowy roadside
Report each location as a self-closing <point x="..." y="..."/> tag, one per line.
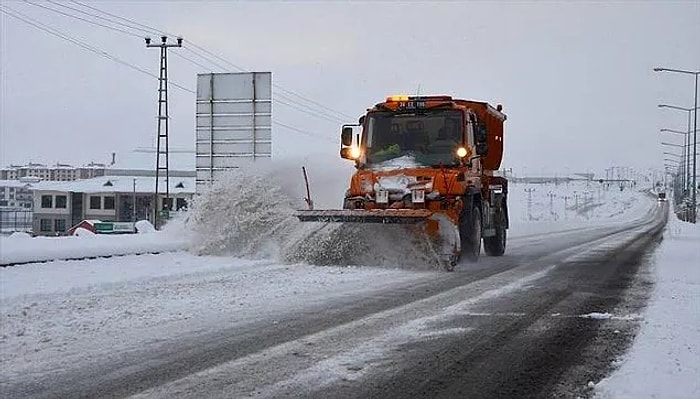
<point x="84" y="310"/>
<point x="547" y="213"/>
<point x="22" y="248"/>
<point x="73" y="312"/>
<point x="664" y="360"/>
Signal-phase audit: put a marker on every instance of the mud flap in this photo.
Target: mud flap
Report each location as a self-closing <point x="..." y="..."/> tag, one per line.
<point x="450" y="246"/>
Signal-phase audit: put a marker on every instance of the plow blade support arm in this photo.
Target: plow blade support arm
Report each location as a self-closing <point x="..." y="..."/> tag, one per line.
<point x="395" y="216"/>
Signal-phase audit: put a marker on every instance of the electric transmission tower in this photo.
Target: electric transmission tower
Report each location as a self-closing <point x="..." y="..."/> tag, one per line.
<point x="163" y="117"/>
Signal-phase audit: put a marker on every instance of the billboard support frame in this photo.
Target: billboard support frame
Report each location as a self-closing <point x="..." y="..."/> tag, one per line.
<point x="233" y="122"/>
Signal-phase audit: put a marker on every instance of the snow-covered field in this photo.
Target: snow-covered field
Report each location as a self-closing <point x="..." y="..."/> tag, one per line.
<point x="235" y="259"/>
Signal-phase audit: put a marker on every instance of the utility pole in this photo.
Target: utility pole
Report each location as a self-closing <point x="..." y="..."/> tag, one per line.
<point x="529" y="202"/>
<point x="133" y="200"/>
<point x="163" y="117"/>
<point x="566" y="199"/>
<point x="551" y="196"/>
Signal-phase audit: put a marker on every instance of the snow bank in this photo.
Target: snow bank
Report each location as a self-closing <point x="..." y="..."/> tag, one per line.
<point x="542" y="208"/>
<point x="664" y="361"/>
<point x="575" y="202"/>
<point x="144" y="226"/>
<point x="20" y="235"/>
<point x="41" y="249"/>
<point x="82" y="232"/>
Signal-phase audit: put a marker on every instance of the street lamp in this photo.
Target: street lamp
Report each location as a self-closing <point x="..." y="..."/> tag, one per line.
<point x="674" y="145"/>
<point x="684" y="146"/>
<point x="674" y="131"/>
<point x="695" y="135"/>
<point x="687" y="137"/>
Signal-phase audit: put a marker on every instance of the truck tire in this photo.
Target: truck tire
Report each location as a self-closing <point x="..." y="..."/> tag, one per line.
<point x="496" y="245"/>
<point x="470" y="234"/>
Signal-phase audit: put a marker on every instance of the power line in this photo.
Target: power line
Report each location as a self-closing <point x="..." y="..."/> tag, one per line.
<point x="216" y="56"/>
<point x="314" y="102"/>
<point x="300" y="109"/>
<point x="200" y="48"/>
<point x="223" y="68"/>
<point x="37" y="24"/>
<point x="291" y="102"/>
<point x="192" y="61"/>
<point x="305" y="132"/>
<point x="81" y="19"/>
<point x="304" y="108"/>
<point x="290" y="92"/>
<point x="144" y="28"/>
<point x="105" y="26"/>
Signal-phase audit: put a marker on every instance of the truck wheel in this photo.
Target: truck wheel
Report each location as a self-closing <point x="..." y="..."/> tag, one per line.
<point x="470" y="234"/>
<point x="496" y="245"/>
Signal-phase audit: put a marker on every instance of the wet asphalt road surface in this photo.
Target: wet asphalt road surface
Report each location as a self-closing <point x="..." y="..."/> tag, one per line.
<point x="542" y="321"/>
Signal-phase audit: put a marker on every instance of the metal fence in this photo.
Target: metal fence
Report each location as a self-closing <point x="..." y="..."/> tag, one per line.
<point x="12" y="220"/>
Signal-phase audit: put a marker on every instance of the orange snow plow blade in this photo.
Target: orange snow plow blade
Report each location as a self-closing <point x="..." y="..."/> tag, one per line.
<point x="395" y="216"/>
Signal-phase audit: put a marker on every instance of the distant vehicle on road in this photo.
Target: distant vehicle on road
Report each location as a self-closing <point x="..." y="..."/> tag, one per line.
<point x="662" y="196"/>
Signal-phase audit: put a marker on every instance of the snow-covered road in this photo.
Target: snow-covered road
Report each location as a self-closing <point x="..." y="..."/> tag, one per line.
<point x="183" y="323"/>
<point x="169" y="322"/>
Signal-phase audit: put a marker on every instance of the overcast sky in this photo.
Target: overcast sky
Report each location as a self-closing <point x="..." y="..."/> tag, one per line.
<point x="574" y="78"/>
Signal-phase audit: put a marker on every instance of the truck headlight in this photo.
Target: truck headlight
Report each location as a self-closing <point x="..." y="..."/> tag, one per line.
<point x="461" y="152"/>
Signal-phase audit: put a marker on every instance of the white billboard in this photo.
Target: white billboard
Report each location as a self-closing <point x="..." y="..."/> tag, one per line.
<point x="233" y="122"/>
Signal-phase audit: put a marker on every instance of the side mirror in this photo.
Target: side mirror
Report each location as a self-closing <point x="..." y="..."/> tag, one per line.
<point x="346" y="136"/>
<point x="482" y="148"/>
<point x="480" y="133"/>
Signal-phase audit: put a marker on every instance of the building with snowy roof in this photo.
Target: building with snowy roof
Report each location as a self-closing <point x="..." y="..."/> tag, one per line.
<point x="142" y="162"/>
<point x="60" y="205"/>
<point x="138" y="162"/>
<point x="59" y="171"/>
<point x="15" y="194"/>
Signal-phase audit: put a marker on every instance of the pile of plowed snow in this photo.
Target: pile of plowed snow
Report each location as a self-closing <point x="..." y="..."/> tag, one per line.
<point x="250" y="214"/>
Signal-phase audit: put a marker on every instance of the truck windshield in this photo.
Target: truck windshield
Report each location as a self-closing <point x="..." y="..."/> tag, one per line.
<point x="427" y="138"/>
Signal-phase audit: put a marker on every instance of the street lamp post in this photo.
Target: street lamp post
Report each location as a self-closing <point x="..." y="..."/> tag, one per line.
<point x="695" y="135"/>
<point x="683" y="167"/>
<point x="686" y="177"/>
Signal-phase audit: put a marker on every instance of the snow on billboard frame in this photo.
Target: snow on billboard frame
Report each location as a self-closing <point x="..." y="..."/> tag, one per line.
<point x="233" y="122"/>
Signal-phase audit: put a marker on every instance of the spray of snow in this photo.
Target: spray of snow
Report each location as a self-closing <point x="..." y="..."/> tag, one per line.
<point x="250" y="213"/>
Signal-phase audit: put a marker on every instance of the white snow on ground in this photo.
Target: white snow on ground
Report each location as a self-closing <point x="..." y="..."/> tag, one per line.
<point x="72" y="312"/>
<point x="66" y="312"/>
<point x="664" y="361"/>
<point x="555" y="207"/>
<point x="19" y="248"/>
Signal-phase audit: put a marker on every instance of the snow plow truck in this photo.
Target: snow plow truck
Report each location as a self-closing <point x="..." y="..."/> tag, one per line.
<point x="431" y="161"/>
